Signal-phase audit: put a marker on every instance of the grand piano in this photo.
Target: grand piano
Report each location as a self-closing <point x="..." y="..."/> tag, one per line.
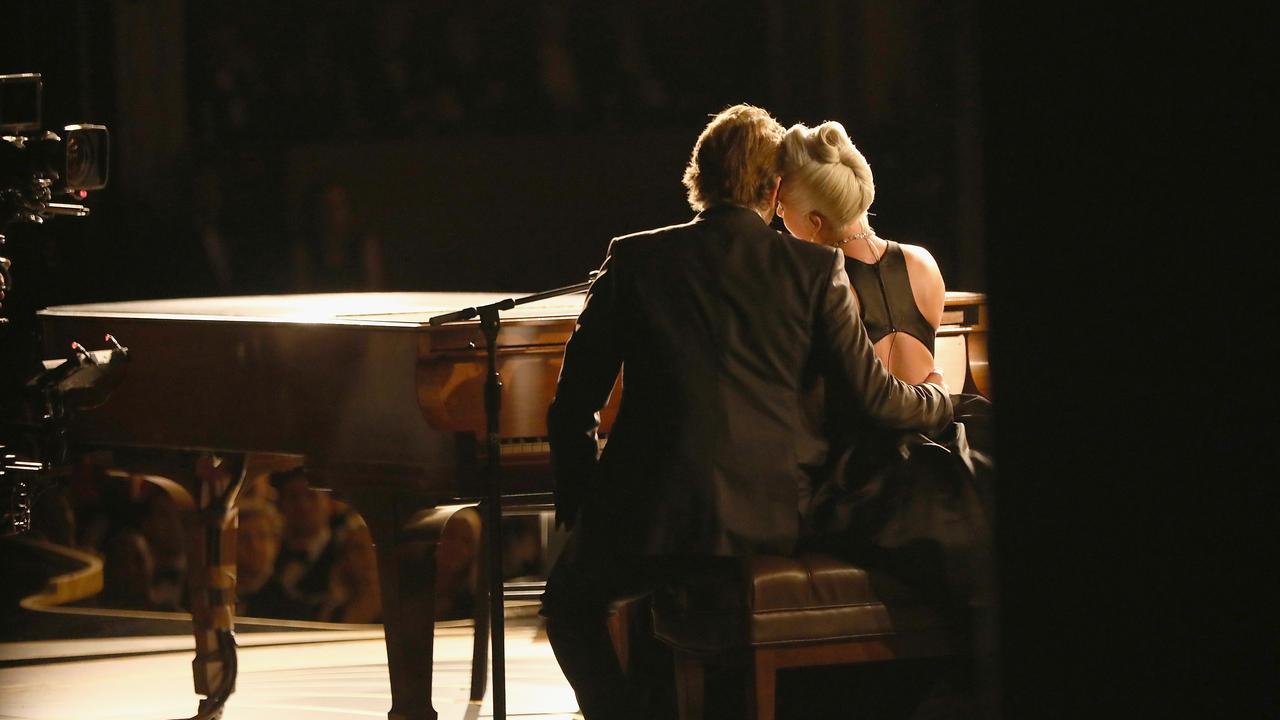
<point x="386" y="409"/>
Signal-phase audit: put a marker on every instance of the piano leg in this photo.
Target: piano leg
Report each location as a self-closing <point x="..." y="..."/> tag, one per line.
<point x="405" y="537"/>
<point x="210" y="523"/>
<point x="979" y="380"/>
<point x="211" y="543"/>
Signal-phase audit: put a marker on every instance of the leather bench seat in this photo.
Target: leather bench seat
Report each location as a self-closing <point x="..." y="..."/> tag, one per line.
<point x="786" y="600"/>
<point x="780" y="612"/>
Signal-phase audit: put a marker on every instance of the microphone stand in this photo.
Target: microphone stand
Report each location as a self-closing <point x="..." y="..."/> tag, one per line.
<point x="490" y="324"/>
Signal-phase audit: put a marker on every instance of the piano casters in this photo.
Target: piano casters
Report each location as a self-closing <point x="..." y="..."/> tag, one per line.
<point x="490" y="324"/>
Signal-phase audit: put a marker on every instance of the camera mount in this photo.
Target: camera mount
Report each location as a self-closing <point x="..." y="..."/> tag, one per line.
<point x="37" y="165"/>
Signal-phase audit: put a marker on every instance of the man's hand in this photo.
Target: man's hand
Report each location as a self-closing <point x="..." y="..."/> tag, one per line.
<point x="936" y="378"/>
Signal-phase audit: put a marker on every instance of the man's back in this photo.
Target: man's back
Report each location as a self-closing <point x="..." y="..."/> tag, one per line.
<point x="715" y="323"/>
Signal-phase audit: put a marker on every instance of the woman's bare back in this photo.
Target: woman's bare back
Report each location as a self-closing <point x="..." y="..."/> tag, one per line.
<point x="904" y="355"/>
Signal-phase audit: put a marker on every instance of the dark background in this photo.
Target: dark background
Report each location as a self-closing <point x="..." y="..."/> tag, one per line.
<point x="488" y="145"/>
<point x="1097" y="171"/>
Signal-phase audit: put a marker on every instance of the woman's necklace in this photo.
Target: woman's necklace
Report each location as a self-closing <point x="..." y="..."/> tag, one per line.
<point x="867" y="235"/>
<point x="864" y="235"/>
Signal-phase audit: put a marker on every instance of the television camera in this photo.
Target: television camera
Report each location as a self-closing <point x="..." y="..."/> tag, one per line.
<point x="37" y="398"/>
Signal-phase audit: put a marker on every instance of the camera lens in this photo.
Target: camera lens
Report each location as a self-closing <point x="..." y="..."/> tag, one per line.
<point x="85" y="157"/>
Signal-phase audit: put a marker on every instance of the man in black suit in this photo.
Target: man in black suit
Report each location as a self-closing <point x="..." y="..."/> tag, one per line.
<point x="724" y="326"/>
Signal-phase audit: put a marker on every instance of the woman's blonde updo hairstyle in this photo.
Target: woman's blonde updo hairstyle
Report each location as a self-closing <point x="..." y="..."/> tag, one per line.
<point x="828" y="171"/>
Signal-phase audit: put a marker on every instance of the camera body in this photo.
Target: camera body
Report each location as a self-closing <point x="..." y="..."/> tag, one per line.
<point x="72" y="160"/>
<point x="37" y="164"/>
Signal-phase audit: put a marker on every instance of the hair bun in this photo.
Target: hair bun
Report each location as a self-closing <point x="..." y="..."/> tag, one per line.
<point x="835" y="137"/>
<point x="827" y="141"/>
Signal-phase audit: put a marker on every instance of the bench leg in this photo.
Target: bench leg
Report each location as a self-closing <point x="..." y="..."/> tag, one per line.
<point x="690" y="687"/>
<point x="762" y="686"/>
<point x="619" y="621"/>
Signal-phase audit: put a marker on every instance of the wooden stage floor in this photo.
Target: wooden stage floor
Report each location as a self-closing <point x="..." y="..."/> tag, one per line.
<point x="300" y="674"/>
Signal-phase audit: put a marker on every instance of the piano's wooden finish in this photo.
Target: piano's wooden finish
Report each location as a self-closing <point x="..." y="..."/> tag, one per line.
<point x="386" y="409"/>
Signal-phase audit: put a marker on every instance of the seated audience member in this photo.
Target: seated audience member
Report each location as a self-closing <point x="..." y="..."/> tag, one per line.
<point x="258" y="593"/>
<point x="456" y="566"/>
<point x="134" y="528"/>
<point x="334" y="250"/>
<point x="316" y="532"/>
<point x="99" y="504"/>
<point x="354" y="594"/>
<point x="127" y="568"/>
<point x="53" y="519"/>
<point x="523" y="553"/>
<point x="259" y="467"/>
<point x="162" y="528"/>
<point x="327" y="569"/>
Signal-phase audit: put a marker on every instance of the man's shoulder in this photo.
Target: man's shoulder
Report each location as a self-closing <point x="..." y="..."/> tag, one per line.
<point x="821" y="254"/>
<point x="814" y="258"/>
<point x="642" y="236"/>
<point x="708" y="225"/>
<point x="778" y="248"/>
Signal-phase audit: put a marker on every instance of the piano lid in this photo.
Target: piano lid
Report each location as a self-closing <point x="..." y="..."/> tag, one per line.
<point x="328" y="375"/>
<point x="388" y="309"/>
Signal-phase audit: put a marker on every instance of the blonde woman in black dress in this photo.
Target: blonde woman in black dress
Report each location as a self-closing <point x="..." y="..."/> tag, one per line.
<point x="902" y="503"/>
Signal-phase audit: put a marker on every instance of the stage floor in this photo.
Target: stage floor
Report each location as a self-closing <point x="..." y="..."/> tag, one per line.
<point x="326" y="674"/>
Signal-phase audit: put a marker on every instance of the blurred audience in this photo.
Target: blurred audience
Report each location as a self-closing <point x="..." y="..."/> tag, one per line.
<point x="258" y="593"/>
<point x="300" y="553"/>
<point x="52" y="517"/>
<point x="162" y="529"/>
<point x="456" y="567"/>
<point x="334" y="250"/>
<point x="234" y="87"/>
<point x="205" y="266"/>
<point x="394" y="68"/>
<point x="315" y="543"/>
<point x="127" y="568"/>
<point x="523" y="553"/>
<point x="353" y="595"/>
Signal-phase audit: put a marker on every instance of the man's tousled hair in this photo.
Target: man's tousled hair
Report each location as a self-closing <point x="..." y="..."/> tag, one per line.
<point x="735" y="159"/>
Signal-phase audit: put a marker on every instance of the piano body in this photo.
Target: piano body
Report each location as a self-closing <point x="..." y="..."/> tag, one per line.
<point x="386" y="409"/>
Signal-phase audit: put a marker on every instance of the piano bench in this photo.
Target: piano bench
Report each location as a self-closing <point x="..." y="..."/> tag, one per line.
<point x="781" y="612"/>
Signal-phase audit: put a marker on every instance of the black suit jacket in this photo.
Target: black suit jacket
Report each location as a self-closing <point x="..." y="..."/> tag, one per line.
<point x="722" y="326"/>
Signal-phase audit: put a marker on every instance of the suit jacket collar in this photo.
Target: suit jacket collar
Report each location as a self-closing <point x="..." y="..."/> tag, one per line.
<point x="734" y="214"/>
